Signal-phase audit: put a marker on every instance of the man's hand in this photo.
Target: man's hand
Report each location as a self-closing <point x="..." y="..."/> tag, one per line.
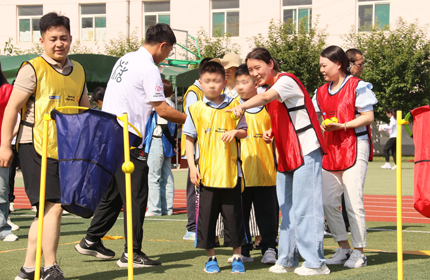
<point x="195" y="176"/>
<point x="6" y="157"/>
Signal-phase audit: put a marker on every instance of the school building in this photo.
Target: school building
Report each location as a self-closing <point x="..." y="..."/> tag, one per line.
<point x="94" y="21"/>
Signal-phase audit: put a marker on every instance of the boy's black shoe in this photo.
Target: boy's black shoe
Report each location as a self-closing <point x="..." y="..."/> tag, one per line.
<point x="23" y="275"/>
<point x="53" y="273"/>
<point x="217" y="244"/>
<point x="96" y="249"/>
<point x="139" y="260"/>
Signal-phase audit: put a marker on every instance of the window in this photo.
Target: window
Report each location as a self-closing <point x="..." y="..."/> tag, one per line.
<point x="225" y="17"/>
<point x="156" y="12"/>
<point x="372" y="12"/>
<point x="296" y="11"/>
<point x="93" y="22"/>
<point x="28" y="23"/>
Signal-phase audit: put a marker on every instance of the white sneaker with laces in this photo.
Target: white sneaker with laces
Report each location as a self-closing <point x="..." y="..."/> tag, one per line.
<point x="394" y="167"/>
<point x="244" y="259"/>
<point x="387" y="165"/>
<point x="356" y="260"/>
<point x="10" y="237"/>
<point x="277" y="268"/>
<point x="269" y="256"/>
<point x="339" y="257"/>
<point x="12" y="225"/>
<point x="303" y="270"/>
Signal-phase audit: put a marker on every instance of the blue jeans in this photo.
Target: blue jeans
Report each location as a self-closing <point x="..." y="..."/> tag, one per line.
<point x="161" y="187"/>
<point x="5" y="229"/>
<point x="302" y="227"/>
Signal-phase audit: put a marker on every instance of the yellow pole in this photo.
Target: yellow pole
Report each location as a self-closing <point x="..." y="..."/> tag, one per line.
<point x="46" y="119"/>
<point x="128" y="168"/>
<point x="400" y="122"/>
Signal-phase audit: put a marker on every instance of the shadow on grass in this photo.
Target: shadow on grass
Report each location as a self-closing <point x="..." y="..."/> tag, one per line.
<point x="394" y="227"/>
<point x="113" y="274"/>
<point x="184" y="255"/>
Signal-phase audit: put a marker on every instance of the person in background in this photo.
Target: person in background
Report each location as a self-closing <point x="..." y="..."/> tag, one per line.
<point x="356" y="62"/>
<point x="5" y="227"/>
<point x="230" y="62"/>
<point x="160" y="145"/>
<point x="97" y="96"/>
<point x="12" y="173"/>
<point x="391" y="143"/>
<point x="351" y="101"/>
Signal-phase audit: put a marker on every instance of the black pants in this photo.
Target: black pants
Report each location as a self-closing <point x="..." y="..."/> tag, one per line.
<point x="266" y="214"/>
<point x="191" y="205"/>
<point x="110" y="206"/>
<point x="390" y="146"/>
<point x="12" y="172"/>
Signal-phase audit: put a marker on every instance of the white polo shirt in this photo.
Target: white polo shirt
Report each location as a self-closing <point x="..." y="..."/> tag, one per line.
<point x="134" y="83"/>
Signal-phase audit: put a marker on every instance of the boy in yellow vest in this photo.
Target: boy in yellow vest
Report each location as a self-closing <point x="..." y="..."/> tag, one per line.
<point x="259" y="171"/>
<point x="43" y="83"/>
<point x="217" y="174"/>
<point x="193" y="94"/>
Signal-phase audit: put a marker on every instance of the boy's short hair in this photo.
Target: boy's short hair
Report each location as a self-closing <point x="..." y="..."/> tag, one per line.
<point x="352" y="54"/>
<point x="204" y="61"/>
<point x="160" y="33"/>
<point x="98" y="94"/>
<point x="242" y="70"/>
<point x="53" y="19"/>
<point x="168" y="88"/>
<point x="212" y="67"/>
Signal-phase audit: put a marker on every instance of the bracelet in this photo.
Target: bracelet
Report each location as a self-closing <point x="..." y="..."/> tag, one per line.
<point x="345" y="126"/>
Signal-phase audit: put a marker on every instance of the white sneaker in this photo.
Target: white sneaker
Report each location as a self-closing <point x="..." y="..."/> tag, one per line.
<point x="339" y="257"/>
<point x="11" y="207"/>
<point x="10" y="237"/>
<point x="394" y="167"/>
<point x="387" y="165"/>
<point x="356" y="260"/>
<point x="244" y="259"/>
<point x="12" y="225"/>
<point x="269" y="256"/>
<point x="277" y="268"/>
<point x="303" y="270"/>
<point x="33" y="208"/>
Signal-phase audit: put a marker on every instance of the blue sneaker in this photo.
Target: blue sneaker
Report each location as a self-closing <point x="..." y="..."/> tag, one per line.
<point x="212" y="266"/>
<point x="237" y="266"/>
<point x="190" y="236"/>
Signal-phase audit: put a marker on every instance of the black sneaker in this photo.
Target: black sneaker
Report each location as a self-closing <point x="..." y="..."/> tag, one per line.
<point x="96" y="249"/>
<point x="53" y="273"/>
<point x="23" y="275"/>
<point x="139" y="260"/>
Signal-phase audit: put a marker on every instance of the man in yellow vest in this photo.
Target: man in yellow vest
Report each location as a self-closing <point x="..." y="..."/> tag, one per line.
<point x="43" y="83"/>
<point x="193" y="94"/>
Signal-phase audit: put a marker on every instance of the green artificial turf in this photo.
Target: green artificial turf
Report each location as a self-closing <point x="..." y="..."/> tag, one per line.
<point x="163" y="241"/>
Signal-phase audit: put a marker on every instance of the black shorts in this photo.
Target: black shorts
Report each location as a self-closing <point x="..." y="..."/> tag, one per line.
<point x="31" y="166"/>
<point x="228" y="202"/>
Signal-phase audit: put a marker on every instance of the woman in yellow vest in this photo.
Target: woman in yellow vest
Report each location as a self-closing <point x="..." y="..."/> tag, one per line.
<point x="43" y="83"/>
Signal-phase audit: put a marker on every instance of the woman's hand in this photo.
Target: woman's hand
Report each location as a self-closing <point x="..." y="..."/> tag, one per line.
<point x="332" y="126"/>
<point x="236" y="111"/>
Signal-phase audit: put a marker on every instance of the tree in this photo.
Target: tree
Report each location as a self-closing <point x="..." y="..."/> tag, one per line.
<point x="296" y="51"/>
<point x="397" y="64"/>
<point x="122" y="45"/>
<point x="216" y="46"/>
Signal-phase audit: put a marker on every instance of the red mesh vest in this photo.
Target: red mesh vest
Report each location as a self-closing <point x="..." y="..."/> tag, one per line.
<point x="286" y="136"/>
<point x="341" y="145"/>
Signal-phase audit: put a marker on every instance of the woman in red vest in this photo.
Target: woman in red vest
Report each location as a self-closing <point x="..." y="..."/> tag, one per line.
<point x="299" y="143"/>
<point x="349" y="148"/>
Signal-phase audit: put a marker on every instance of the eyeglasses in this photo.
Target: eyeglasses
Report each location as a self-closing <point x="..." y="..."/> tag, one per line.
<point x="361" y="65"/>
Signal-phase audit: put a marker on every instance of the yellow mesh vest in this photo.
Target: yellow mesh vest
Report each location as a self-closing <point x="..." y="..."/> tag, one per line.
<point x="53" y="90"/>
<point x="258" y="163"/>
<point x="200" y="95"/>
<point x="218" y="160"/>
